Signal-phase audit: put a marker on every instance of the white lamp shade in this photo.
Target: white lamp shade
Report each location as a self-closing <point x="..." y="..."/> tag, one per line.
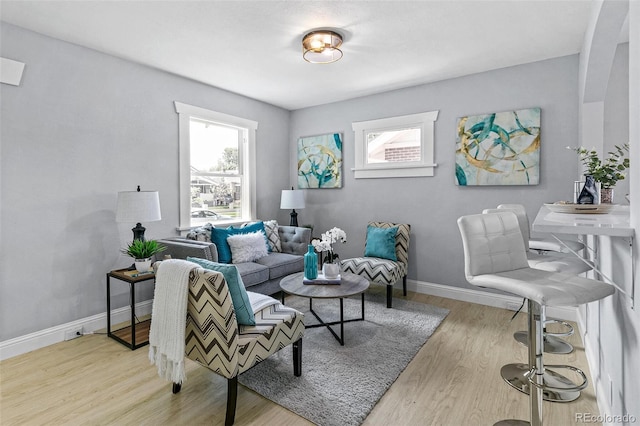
<point x="292" y="199"/>
<point x="138" y="206"/>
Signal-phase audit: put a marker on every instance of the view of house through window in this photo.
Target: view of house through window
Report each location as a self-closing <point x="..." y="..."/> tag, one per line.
<point x="393" y="146"/>
<point x="216" y="171"/>
<point x="401" y="146"/>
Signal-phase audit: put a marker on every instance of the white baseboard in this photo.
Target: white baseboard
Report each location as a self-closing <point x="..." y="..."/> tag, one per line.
<point x="485" y="298"/>
<point x="49" y="336"/>
<point x="40" y="339"/>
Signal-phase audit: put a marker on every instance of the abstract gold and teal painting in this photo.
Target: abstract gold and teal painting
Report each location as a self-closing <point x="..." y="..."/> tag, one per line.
<point x="502" y="148"/>
<point x="320" y="161"/>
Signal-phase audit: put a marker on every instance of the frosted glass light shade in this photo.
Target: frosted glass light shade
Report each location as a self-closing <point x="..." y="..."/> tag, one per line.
<point x="321" y="47"/>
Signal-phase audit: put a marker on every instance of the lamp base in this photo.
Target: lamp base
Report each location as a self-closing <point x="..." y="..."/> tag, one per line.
<point x="138" y="232"/>
<point x="294" y="218"/>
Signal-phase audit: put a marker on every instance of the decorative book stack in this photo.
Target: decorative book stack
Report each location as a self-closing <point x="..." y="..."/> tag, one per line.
<point x="321" y="279"/>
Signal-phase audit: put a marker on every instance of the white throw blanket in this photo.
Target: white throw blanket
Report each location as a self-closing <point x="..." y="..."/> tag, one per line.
<point x="169" y="318"/>
<point x="260" y="301"/>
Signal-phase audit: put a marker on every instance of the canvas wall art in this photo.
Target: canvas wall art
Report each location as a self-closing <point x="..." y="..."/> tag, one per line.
<point x="502" y="148"/>
<point x="320" y="161"/>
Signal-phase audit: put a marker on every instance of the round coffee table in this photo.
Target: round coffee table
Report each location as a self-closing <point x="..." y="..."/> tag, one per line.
<point x="350" y="285"/>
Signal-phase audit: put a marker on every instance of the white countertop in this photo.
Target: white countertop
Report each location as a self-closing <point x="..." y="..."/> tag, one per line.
<point x="615" y="223"/>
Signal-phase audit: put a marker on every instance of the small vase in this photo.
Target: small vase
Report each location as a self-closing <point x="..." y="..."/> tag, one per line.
<point x="310" y="264"/>
<point x="606" y="195"/>
<point x="331" y="270"/>
<point x="589" y="193"/>
<point x="143" y="265"/>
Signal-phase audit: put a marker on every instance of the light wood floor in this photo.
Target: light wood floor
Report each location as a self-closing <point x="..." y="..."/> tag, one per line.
<point x="453" y="380"/>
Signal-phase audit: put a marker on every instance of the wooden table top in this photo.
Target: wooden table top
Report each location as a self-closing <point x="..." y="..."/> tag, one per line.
<point x="351" y="284"/>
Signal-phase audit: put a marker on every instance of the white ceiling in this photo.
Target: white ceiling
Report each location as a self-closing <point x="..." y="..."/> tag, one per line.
<point x="254" y="47"/>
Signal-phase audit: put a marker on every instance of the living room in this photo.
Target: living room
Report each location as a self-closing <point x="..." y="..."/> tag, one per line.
<point x="84" y="125"/>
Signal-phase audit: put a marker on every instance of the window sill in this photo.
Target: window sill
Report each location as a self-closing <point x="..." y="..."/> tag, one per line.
<point x="425" y="170"/>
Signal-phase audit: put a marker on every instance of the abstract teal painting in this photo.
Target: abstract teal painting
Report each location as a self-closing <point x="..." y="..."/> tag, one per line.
<point x="502" y="148"/>
<point x="320" y="161"/>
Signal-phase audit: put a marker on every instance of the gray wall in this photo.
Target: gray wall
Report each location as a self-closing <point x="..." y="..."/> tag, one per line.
<point x="431" y="205"/>
<point x="81" y="127"/>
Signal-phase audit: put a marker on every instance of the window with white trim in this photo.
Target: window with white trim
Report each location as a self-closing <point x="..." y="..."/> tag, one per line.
<point x="395" y="147"/>
<point x="217" y="160"/>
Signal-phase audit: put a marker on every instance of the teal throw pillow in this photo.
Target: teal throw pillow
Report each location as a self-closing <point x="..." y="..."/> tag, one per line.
<point x="381" y="242"/>
<point x="219" y="237"/>
<point x="241" y="304"/>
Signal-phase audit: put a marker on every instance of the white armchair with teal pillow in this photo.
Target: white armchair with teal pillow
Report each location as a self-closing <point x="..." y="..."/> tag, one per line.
<point x="386" y="256"/>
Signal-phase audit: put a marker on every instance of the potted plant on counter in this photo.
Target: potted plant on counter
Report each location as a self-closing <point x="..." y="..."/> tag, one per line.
<point x="608" y="171"/>
<point x="142" y="253"/>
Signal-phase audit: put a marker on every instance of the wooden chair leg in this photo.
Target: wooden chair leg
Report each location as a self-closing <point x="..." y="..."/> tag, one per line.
<point x="232" y="397"/>
<point x="297" y="357"/>
<point x="389" y="295"/>
<point x="176" y="388"/>
<point x="404" y="285"/>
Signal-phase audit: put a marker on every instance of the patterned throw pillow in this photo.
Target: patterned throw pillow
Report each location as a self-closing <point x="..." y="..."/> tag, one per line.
<point x="273" y="237"/>
<point x="202" y="233"/>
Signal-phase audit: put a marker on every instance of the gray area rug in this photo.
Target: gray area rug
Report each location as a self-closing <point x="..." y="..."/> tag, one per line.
<point x="341" y="384"/>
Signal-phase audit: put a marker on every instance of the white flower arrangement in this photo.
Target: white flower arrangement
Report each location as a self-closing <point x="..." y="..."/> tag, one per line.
<point x="326" y="242"/>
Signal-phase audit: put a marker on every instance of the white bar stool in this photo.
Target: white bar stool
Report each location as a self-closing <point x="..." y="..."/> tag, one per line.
<point x="495" y="257"/>
<point x="553" y="262"/>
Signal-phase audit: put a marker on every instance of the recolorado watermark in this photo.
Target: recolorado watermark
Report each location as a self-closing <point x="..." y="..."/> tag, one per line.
<point x="605" y="418"/>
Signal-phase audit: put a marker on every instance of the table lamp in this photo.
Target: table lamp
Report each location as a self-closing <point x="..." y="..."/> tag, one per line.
<point x="292" y="199"/>
<point x="138" y="206"/>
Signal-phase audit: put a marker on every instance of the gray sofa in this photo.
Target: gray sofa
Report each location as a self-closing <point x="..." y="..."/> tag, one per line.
<point x="261" y="276"/>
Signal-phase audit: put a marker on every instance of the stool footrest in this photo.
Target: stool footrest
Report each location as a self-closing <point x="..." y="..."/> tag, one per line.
<point x="575" y="388"/>
<point x="567" y="333"/>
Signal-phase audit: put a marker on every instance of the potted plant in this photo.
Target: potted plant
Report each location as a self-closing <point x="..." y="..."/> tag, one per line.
<point x="330" y="268"/>
<point x="142" y="252"/>
<point x="608" y="171"/>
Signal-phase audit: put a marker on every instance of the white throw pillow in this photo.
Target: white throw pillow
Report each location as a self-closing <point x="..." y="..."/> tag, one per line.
<point x="247" y="247"/>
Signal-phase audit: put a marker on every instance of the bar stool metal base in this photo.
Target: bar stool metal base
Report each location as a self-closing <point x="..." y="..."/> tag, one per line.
<point x="552" y="344"/>
<point x="516" y="376"/>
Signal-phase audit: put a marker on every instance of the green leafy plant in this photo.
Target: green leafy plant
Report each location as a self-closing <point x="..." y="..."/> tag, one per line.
<point x="139" y="249"/>
<point x="609" y="171"/>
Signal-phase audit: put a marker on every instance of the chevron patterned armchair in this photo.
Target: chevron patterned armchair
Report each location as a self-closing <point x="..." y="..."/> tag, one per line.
<point x="387" y="266"/>
<point x="215" y="340"/>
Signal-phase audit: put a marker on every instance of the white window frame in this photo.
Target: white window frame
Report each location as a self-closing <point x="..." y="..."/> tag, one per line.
<point x="247" y="161"/>
<point x="425" y="121"/>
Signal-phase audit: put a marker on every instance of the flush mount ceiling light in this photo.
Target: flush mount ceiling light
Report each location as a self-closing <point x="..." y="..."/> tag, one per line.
<point x="321" y="47"/>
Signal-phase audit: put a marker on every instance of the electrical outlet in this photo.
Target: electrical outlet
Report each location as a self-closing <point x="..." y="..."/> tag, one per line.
<point x="72" y="333"/>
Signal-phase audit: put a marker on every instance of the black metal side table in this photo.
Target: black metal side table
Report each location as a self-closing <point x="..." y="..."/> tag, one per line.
<point x="135" y="335"/>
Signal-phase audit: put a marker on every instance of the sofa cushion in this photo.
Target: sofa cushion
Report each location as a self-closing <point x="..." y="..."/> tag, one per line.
<point x="282" y="264"/>
<point x="252" y="273"/>
<point x="241" y="304"/>
<point x="219" y="237"/>
<point x="247" y="247"/>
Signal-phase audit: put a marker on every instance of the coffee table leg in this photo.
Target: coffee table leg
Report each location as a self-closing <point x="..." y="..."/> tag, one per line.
<point x="341" y="340"/>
